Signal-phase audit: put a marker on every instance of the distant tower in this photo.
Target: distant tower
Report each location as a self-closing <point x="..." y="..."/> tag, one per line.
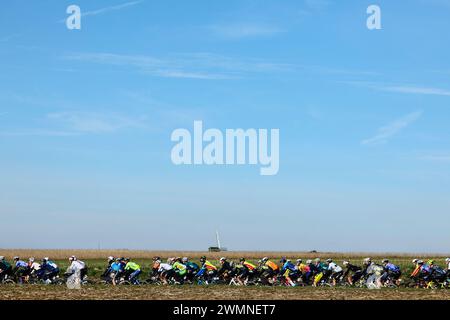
<point x="218" y="240"/>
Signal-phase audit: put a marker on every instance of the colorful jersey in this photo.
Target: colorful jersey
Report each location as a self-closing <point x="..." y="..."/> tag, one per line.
<point x="49" y="266"/>
<point x="132" y="266"/>
<point x="192" y="266"/>
<point x="249" y="265"/>
<point x="117" y="267"/>
<point x="304" y="268"/>
<point x="392" y="267"/>
<point x="21" y="264"/>
<point x="272" y="265"/>
<point x="209" y="266"/>
<point x="288" y="266"/>
<point x="179" y="267"/>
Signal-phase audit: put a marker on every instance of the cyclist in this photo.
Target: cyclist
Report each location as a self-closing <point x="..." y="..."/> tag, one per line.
<point x="48" y="271"/>
<point x="304" y="270"/>
<point x="77" y="266"/>
<point x="437" y="273"/>
<point x="248" y="271"/>
<point x="21" y="269"/>
<point x="208" y="271"/>
<point x="268" y="270"/>
<point x="106" y="275"/>
<point x="226" y="269"/>
<point x="191" y="268"/>
<point x="373" y="272"/>
<point x="353" y="272"/>
<point x="391" y="271"/>
<point x="336" y="271"/>
<point x="288" y="271"/>
<point x="33" y="265"/>
<point x="165" y="271"/>
<point x="5" y="268"/>
<point x="132" y="271"/>
<point x="320" y="270"/>
<point x="180" y="270"/>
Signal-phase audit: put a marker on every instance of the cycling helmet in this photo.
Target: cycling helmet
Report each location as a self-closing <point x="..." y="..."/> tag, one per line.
<point x="72" y="258"/>
<point x="126" y="259"/>
<point x="31" y="259"/>
<point x="299" y="261"/>
<point x="283" y="260"/>
<point x="242" y="259"/>
<point x="447" y="260"/>
<point x="265" y="259"/>
<point x="2" y="258"/>
<point x="430" y="262"/>
<point x="223" y="259"/>
<point x="420" y="262"/>
<point x="156" y="258"/>
<point x="185" y="259"/>
<point x="317" y="260"/>
<point x="45" y="259"/>
<point x="345" y="263"/>
<point x="385" y="261"/>
<point x="329" y="260"/>
<point x="202" y="259"/>
<point x="16" y="258"/>
<point x="367" y="260"/>
<point x="415" y="261"/>
<point x="110" y="258"/>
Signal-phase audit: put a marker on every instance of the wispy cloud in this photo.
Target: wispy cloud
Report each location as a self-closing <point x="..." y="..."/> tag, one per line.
<point x="107" y="9"/>
<point x="417" y="90"/>
<point x="401" y="88"/>
<point x="390" y="130"/>
<point x="245" y="30"/>
<point x="193" y="66"/>
<point x="88" y="122"/>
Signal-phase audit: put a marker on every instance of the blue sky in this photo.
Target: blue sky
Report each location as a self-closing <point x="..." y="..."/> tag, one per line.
<point x="86" y="117"/>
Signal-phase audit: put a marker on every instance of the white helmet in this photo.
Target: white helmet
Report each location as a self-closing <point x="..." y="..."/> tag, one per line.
<point x="345" y="263"/>
<point x="299" y="260"/>
<point x="185" y="259"/>
<point x="415" y="261"/>
<point x="110" y="258"/>
<point x="447" y="260"/>
<point x="72" y="258"/>
<point x="31" y="259"/>
<point x="309" y="261"/>
<point x="2" y="258"/>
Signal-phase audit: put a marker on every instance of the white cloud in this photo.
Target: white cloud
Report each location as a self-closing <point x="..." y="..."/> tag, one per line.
<point x="417" y="90"/>
<point x="401" y="88"/>
<point x="390" y="130"/>
<point x="88" y="122"/>
<point x="244" y="30"/>
<point x="193" y="66"/>
<point x="107" y="9"/>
